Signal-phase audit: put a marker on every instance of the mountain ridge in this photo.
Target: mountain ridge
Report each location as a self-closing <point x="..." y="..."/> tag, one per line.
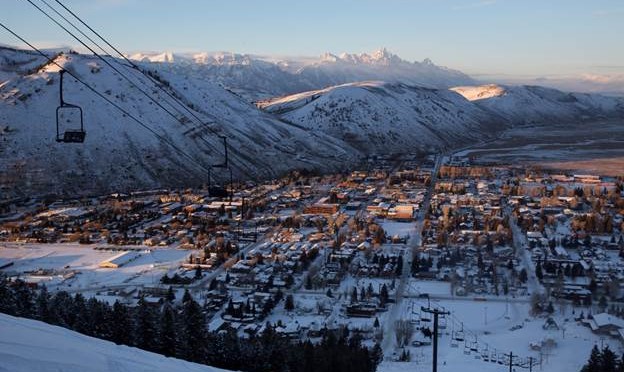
<point x="258" y="77"/>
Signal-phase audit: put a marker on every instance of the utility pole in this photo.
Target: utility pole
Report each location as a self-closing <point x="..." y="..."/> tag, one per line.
<point x="435" y="313"/>
<point x="510" y="361"/>
<point x="530" y="364"/>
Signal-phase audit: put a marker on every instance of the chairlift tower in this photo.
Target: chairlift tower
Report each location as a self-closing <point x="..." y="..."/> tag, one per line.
<point x="435" y="313"/>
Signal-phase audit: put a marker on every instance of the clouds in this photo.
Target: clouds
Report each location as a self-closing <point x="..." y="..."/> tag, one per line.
<point x="612" y="83"/>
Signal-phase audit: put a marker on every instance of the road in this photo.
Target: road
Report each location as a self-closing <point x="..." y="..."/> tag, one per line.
<point x="520" y="243"/>
<point x="414" y="243"/>
<point x="206" y="279"/>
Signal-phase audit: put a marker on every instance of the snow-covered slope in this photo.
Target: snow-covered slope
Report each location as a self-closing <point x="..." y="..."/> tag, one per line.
<point x="257" y="77"/>
<point x="535" y="104"/>
<point x="380" y="117"/>
<point x="119" y="154"/>
<point x="32" y="346"/>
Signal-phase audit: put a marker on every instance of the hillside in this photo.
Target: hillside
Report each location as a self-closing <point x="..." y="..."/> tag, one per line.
<point x="380" y="117"/>
<point x="260" y="77"/>
<point x="33" y="346"/>
<point x="535" y="104"/>
<point x="119" y="154"/>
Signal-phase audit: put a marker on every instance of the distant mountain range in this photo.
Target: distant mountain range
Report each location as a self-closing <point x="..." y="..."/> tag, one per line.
<point x="327" y="129"/>
<point x="258" y="77"/>
<point x="529" y="104"/>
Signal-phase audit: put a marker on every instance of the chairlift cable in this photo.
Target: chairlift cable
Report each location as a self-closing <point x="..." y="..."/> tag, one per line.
<point x="112" y="103"/>
<point x="106" y="62"/>
<point x="137" y="68"/>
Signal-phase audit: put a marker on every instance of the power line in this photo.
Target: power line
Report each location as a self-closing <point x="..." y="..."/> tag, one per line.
<point x="124" y="111"/>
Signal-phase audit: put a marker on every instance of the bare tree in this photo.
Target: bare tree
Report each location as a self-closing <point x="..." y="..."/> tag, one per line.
<point x="404" y="330"/>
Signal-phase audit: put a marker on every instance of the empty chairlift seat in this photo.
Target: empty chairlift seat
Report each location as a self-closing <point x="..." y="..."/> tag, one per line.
<point x="76" y="133"/>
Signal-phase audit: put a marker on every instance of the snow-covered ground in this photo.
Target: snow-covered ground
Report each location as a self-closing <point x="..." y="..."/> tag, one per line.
<point x="32" y="346"/>
<point x="490" y="323"/>
<point x="84" y="260"/>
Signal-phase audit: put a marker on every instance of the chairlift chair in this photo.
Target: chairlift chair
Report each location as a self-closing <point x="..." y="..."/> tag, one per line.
<point x="474" y="347"/>
<point x="442" y="322"/>
<point x="466" y="348"/>
<point x="425" y="317"/>
<point x="493" y="357"/>
<point x="218" y="191"/>
<point x="459" y="336"/>
<point x="71" y="135"/>
<point x="454" y="343"/>
<point x="485" y="355"/>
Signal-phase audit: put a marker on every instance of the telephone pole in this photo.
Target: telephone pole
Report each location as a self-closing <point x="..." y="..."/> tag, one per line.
<point x="435" y="313"/>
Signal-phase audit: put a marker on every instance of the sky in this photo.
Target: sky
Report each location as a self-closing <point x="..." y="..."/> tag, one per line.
<point x="508" y="39"/>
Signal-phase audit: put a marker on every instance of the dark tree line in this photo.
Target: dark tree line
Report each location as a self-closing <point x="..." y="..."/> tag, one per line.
<point x="603" y="360"/>
<point x="180" y="330"/>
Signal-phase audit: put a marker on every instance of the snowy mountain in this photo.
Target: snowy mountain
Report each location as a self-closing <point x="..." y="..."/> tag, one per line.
<point x="257" y="77"/>
<point x="534" y="104"/>
<point x="380" y="117"/>
<point x="33" y="346"/>
<point x="380" y="65"/>
<point x="118" y="153"/>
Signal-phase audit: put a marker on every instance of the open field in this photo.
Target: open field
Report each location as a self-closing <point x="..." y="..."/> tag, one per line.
<point x="489" y="324"/>
<point x="596" y="147"/>
<point x="55" y="261"/>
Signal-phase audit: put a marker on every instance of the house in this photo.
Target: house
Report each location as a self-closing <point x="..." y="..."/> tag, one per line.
<point x="321" y="208"/>
<point x="605" y="324"/>
<point x="119" y="260"/>
<point x="291" y="330"/>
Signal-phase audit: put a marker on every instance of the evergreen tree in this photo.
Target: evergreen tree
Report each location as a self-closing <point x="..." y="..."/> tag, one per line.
<point x="121" y="330"/>
<point x="146" y="333"/>
<point x="354" y="295"/>
<point x="24" y="305"/>
<point x="608" y="360"/>
<point x="170" y="297"/>
<point x="289" y="303"/>
<point x="383" y="295"/>
<point x="523" y="276"/>
<point x="81" y="323"/>
<point x="167" y="340"/>
<point x="7" y="300"/>
<point x="193" y="332"/>
<point x="399" y="266"/>
<point x="594" y="363"/>
<point x="538" y="270"/>
<point x="42" y="303"/>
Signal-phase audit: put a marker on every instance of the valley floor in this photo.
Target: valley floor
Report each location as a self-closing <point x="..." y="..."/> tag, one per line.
<point x="595" y="147"/>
